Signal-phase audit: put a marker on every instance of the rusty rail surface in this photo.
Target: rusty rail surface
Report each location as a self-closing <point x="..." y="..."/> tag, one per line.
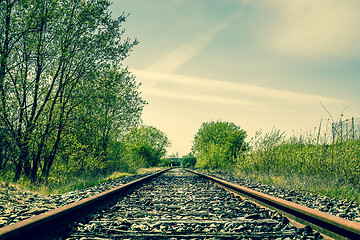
<point x="327" y="224"/>
<point x="49" y="224"/>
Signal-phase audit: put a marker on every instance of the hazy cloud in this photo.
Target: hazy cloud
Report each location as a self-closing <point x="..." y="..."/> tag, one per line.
<point x="314" y="28"/>
<point x="182" y="54"/>
<point x="208" y="90"/>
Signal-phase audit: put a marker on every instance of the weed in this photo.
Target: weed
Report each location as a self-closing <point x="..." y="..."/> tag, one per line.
<point x="305" y="163"/>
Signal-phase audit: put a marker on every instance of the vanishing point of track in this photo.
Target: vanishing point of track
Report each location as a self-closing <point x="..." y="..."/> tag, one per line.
<point x="180" y="205"/>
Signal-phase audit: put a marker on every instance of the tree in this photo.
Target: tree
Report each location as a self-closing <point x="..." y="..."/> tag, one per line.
<point x="147" y="145"/>
<point x="113" y="107"/>
<point x="217" y="144"/>
<point x="49" y="50"/>
<point x="188" y="160"/>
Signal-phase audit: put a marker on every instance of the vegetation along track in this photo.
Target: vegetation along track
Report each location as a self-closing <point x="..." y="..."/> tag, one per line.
<point x="181" y="205"/>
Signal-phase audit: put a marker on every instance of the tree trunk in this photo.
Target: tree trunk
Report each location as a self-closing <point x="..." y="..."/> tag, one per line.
<point x="23" y="158"/>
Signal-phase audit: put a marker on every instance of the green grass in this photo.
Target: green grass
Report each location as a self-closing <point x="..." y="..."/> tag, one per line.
<point x="67" y="184"/>
<point x="82" y="183"/>
<point x="146" y="170"/>
<point x="313" y="184"/>
<point x="79" y="184"/>
<point x="63" y="187"/>
<point x="305" y="164"/>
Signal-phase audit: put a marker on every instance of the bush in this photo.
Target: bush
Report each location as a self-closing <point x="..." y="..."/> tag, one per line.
<point x="340" y="160"/>
<point x="218" y="145"/>
<point x="188" y="161"/>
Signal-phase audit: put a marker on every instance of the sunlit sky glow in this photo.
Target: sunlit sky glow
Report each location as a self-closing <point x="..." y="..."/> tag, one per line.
<point x="257" y="63"/>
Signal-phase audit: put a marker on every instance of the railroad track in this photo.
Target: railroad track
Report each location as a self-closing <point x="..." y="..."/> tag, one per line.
<point x="176" y="204"/>
<point x="330" y="226"/>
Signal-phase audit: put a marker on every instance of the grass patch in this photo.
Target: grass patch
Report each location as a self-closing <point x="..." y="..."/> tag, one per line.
<point x="146" y="170"/>
<point x="117" y="175"/>
<point x="74" y="184"/>
<point x="333" y="188"/>
<point x="81" y="183"/>
<point x="78" y="183"/>
<point x="306" y="163"/>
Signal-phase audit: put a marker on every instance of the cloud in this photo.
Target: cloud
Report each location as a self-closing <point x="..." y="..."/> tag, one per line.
<point x="203" y="98"/>
<point x="182" y="54"/>
<point x="174" y="86"/>
<point x="314" y="28"/>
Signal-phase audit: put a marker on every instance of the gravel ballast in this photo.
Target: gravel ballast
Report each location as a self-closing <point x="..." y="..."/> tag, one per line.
<point x="17" y="204"/>
<point x="341" y="208"/>
<point x="181" y="205"/>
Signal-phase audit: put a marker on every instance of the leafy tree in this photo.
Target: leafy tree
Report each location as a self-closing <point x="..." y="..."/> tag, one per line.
<point x="147" y="145"/>
<point x="112" y="108"/>
<point x="217" y="144"/>
<point x="165" y="162"/>
<point x="214" y="156"/>
<point x="49" y="50"/>
<point x="5" y="150"/>
<point x="188" y="160"/>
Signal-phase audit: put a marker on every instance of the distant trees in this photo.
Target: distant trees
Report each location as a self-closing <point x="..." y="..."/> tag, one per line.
<point x="61" y="86"/>
<point x="145" y="146"/>
<point x="217" y="144"/>
<point x="188" y="160"/>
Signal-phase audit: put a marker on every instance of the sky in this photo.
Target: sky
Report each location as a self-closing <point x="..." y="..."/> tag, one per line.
<point x="261" y="64"/>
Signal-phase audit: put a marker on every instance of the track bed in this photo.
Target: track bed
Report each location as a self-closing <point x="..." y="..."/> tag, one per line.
<point x="181" y="205"/>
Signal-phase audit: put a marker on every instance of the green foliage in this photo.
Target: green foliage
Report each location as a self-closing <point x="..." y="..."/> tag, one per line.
<point x="275" y="154"/>
<point x="75" y="159"/>
<point x="65" y="101"/>
<point x="214" y="156"/>
<point x="188" y="161"/>
<point x="145" y="146"/>
<point x="165" y="162"/>
<point x="218" y="144"/>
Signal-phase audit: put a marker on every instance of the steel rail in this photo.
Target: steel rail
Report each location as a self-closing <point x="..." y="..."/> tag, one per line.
<point x="327" y="224"/>
<point x="49" y="224"/>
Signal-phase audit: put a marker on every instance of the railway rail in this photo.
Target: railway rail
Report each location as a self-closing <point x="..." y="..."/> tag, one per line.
<point x="50" y="224"/>
<point x="327" y="224"/>
<point x="180" y="204"/>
